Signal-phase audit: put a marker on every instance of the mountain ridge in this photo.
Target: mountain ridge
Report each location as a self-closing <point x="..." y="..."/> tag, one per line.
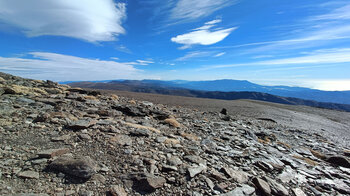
<point x="229" y="85"/>
<point x="165" y="89"/>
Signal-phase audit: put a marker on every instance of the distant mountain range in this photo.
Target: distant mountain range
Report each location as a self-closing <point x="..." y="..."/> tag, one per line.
<point x="230" y="90"/>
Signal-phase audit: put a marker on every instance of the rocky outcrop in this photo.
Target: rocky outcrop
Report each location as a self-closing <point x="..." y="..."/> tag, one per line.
<point x="57" y="140"/>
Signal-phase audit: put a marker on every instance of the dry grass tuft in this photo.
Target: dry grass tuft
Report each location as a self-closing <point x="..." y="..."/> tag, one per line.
<point x="189" y="136"/>
<point x="171" y="141"/>
<point x="173" y="122"/>
<point x="306" y="160"/>
<point x="115" y="97"/>
<point x="318" y="154"/>
<point x="132" y="102"/>
<point x="89" y="97"/>
<point x="283" y="144"/>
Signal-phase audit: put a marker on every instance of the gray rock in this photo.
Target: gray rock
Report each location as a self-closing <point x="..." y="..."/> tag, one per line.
<point x="29" y="175"/>
<point x="82" y="124"/>
<point x="168" y="168"/>
<point x="238" y="176"/>
<point x="86" y="193"/>
<point x="84" y="136"/>
<point x="209" y="183"/>
<point x="61" y="138"/>
<point x="264" y="166"/>
<point x="194" y="159"/>
<point x="174" y="160"/>
<point x="244" y="190"/>
<point x="262" y="185"/>
<point x="193" y="171"/>
<point x="50" y="153"/>
<point x="81" y="167"/>
<point x="276" y="188"/>
<point x="287" y="175"/>
<point x="298" y="192"/>
<point x="140" y="132"/>
<point x="145" y="183"/>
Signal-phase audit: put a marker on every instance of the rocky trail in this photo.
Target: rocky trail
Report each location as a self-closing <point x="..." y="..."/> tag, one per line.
<point x="58" y="140"/>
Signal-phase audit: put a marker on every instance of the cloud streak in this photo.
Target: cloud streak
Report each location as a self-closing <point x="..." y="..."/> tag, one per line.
<point x="203" y="35"/>
<point x="187" y="10"/>
<point x="332" y="56"/>
<point x="92" y="21"/>
<point x="61" y="67"/>
<point x="314" y="31"/>
<point x="192" y="55"/>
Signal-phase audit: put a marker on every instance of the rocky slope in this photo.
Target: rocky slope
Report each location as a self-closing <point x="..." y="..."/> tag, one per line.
<point x="57" y="140"/>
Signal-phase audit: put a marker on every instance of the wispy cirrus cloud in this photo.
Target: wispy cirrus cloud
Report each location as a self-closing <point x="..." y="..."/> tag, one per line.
<point x="340" y="13"/>
<point x="220" y="54"/>
<point x="328" y="57"/>
<point x="140" y="62"/>
<point x="187" y="10"/>
<point x="92" y="21"/>
<point x="60" y="67"/>
<point x="203" y="35"/>
<point x="194" y="54"/>
<point x="313" y="31"/>
<point x="171" y="12"/>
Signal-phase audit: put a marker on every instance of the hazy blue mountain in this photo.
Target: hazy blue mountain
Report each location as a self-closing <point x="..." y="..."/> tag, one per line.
<point x="171" y="88"/>
<point x="342" y="97"/>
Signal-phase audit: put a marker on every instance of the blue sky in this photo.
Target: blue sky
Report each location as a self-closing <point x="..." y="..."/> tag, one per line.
<point x="271" y="42"/>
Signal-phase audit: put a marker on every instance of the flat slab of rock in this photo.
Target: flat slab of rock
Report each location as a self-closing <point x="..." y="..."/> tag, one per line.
<point x="238" y="176"/>
<point x="276" y="188"/>
<point x="244" y="190"/>
<point x="82" y="124"/>
<point x="81" y="167"/>
<point x="146" y="183"/>
<point x="50" y="153"/>
<point x="61" y="138"/>
<point x="298" y="192"/>
<point x="262" y="185"/>
<point x="29" y="175"/>
<point x="193" y="171"/>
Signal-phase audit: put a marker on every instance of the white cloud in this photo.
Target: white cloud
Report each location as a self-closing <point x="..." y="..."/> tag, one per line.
<point x="92" y="20"/>
<point x="142" y="62"/>
<point x="186" y="10"/>
<point x="195" y="54"/>
<point x="61" y="67"/>
<point x="202" y="36"/>
<point x="220" y="54"/>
